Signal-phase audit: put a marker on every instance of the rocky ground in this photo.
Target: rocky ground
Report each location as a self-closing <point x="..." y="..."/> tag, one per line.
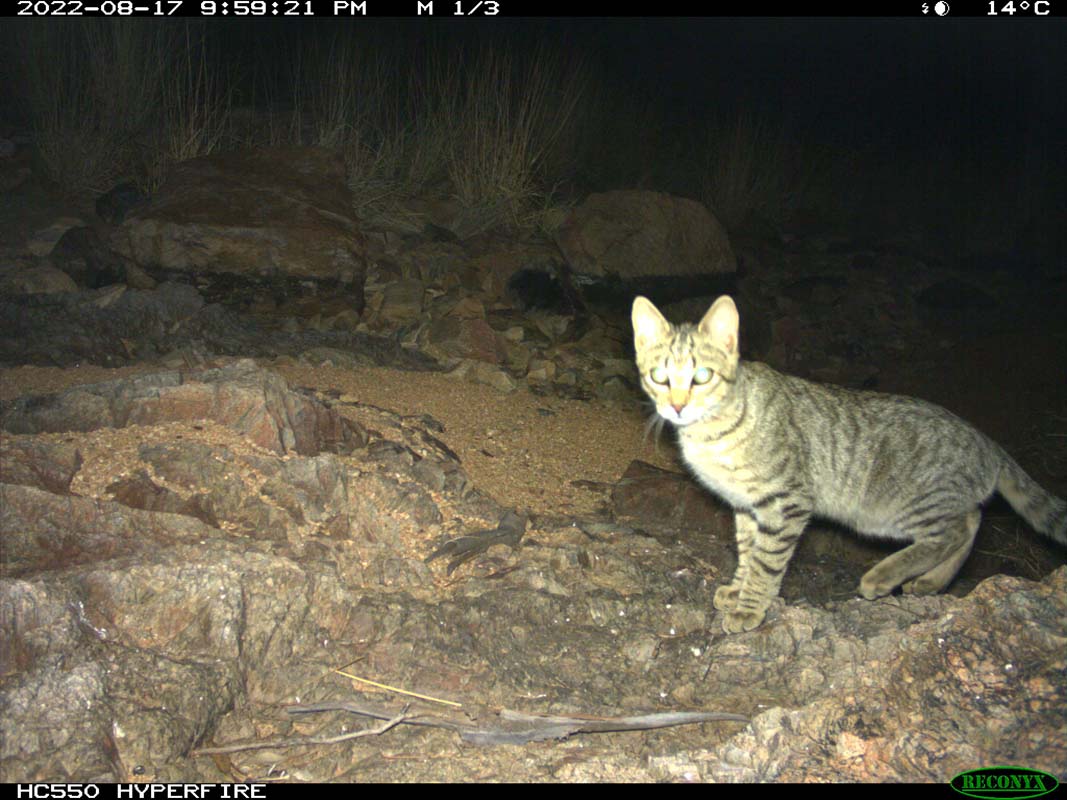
<point x="220" y="491"/>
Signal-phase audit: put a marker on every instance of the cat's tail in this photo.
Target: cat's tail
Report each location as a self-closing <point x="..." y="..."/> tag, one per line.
<point x="1046" y="513"/>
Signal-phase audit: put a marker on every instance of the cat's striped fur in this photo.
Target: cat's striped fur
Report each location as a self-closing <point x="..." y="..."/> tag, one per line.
<point x="781" y="449"/>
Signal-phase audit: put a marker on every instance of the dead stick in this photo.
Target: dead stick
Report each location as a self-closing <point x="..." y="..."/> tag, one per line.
<point x="303" y="741"/>
<point x="505" y="726"/>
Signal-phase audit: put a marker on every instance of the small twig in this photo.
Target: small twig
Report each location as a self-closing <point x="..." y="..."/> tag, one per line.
<point x="305" y="741"/>
<point x="398" y="691"/>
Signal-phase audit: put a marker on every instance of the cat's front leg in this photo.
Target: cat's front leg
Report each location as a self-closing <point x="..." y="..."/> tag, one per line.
<point x="744" y="532"/>
<point x="766" y="539"/>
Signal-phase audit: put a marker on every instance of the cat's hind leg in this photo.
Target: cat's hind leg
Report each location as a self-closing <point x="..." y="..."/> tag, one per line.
<point x="927" y="565"/>
<point x="936" y="579"/>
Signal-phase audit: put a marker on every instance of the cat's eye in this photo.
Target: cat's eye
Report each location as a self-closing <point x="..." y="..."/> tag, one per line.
<point x="702" y="375"/>
<point x="658" y="375"/>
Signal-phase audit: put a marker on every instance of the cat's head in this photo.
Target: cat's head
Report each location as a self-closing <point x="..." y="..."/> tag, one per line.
<point x="686" y="369"/>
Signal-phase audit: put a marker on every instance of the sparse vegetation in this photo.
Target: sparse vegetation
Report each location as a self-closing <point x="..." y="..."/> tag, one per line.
<point x="118" y="100"/>
<point x="753" y="167"/>
<point x="509" y="118"/>
<point x="494" y="131"/>
<point x="503" y="130"/>
<point x="195" y="110"/>
<point x="91" y="90"/>
<point x="497" y="130"/>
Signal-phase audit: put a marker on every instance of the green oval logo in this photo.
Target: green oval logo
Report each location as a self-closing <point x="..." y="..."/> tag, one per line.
<point x="995" y="783"/>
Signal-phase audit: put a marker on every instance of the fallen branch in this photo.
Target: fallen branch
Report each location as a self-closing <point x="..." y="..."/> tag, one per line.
<point x="504" y="726"/>
<point x="304" y="741"/>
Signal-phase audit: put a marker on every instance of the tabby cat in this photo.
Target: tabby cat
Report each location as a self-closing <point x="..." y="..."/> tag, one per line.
<point x="781" y="449"/>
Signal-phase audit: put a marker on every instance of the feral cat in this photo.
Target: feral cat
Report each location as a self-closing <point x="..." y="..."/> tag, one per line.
<point x="781" y="449"/>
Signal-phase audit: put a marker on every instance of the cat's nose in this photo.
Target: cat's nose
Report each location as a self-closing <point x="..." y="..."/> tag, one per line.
<point x="678" y="407"/>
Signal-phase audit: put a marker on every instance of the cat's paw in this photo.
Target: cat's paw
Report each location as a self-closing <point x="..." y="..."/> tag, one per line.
<point x="924" y="584"/>
<point x="726" y="597"/>
<point x="741" y="621"/>
<point x="872" y="585"/>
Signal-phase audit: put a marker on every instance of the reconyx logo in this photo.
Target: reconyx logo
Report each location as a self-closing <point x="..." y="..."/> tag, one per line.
<point x="995" y="783"/>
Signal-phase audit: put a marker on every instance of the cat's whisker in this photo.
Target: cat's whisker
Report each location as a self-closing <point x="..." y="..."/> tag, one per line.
<point x="654" y="425"/>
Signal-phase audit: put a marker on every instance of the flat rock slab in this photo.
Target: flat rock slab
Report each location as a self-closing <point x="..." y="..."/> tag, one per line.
<point x="114" y="326"/>
<point x="256" y="403"/>
<point x="653" y="496"/>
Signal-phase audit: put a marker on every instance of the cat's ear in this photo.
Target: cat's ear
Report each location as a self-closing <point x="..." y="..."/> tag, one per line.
<point x="649" y="325"/>
<point x="720" y="324"/>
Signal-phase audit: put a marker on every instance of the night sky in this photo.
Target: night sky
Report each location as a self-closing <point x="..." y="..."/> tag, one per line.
<point x="907" y="83"/>
<point x="853" y="80"/>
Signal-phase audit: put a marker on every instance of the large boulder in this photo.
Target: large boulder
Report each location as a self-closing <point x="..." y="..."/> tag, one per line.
<point x="635" y="233"/>
<point x="268" y="212"/>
